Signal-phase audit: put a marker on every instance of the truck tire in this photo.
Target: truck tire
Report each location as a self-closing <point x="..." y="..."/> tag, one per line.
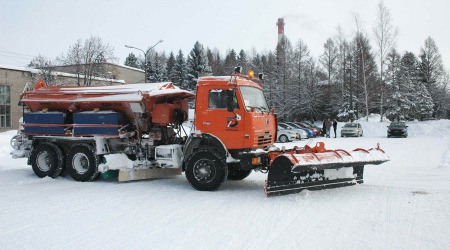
<point x="235" y="173"/>
<point x="82" y="163"/>
<point x="206" y="170"/>
<point x="61" y="161"/>
<point x="44" y="160"/>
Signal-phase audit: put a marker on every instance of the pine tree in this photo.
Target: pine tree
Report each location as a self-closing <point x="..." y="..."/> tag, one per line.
<point x="243" y="61"/>
<point x="423" y="104"/>
<point x="432" y="73"/>
<point x="215" y="61"/>
<point x="170" y="65"/>
<point x="366" y="76"/>
<point x="180" y="71"/>
<point x="392" y="75"/>
<point x="156" y="69"/>
<point x="312" y="96"/>
<point x="423" y="101"/>
<point x="230" y="62"/>
<point x="131" y="61"/>
<point x="197" y="64"/>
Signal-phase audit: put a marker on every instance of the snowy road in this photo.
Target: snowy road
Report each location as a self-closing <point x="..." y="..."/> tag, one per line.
<point x="404" y="204"/>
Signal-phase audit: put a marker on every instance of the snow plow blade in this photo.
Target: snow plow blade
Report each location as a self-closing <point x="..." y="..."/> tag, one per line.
<point x="317" y="168"/>
<point x="143" y="174"/>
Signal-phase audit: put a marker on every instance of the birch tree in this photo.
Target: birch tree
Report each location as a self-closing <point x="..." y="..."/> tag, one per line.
<point x="385" y="35"/>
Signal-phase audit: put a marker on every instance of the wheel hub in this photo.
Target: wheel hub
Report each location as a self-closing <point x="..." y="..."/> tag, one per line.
<point x="204" y="170"/>
<point x="80" y="163"/>
<point x="43" y="161"/>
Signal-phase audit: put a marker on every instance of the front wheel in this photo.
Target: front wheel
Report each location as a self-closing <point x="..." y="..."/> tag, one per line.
<point x="82" y="163"/>
<point x="206" y="170"/>
<point x="283" y="138"/>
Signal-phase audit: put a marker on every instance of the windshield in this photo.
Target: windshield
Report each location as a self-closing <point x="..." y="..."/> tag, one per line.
<point x="397" y="124"/>
<point x="351" y="125"/>
<point x="254" y="98"/>
<point x="283" y="126"/>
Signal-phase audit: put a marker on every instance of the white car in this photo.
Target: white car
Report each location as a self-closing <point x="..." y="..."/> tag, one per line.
<point x="287" y="135"/>
<point x="303" y="134"/>
<point x="352" y="129"/>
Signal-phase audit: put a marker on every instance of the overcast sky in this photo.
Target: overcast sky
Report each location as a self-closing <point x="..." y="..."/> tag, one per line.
<point x="31" y="27"/>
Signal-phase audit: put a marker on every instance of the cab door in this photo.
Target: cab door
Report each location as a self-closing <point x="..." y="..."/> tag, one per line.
<point x="215" y="119"/>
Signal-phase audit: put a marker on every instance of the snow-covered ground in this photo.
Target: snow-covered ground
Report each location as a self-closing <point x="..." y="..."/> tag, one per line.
<point x="403" y="204"/>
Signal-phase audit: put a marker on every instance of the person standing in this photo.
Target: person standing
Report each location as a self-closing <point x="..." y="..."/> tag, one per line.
<point x="334" y="127"/>
<point x="324" y="127"/>
<point x="328" y="125"/>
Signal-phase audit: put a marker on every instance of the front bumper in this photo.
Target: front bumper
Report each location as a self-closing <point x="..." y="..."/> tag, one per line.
<point x="397" y="133"/>
<point x="345" y="134"/>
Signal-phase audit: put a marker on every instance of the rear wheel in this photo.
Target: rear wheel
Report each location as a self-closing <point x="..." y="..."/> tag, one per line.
<point x="82" y="163"/>
<point x="235" y="172"/>
<point x="45" y="160"/>
<point x="61" y="161"/>
<point x="206" y="170"/>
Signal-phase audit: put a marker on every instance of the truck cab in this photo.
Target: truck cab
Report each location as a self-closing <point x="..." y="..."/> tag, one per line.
<point x="233" y="131"/>
<point x="234" y="110"/>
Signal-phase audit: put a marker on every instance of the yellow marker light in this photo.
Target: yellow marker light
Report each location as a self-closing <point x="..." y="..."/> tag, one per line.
<point x="256" y="161"/>
<point x="251" y="73"/>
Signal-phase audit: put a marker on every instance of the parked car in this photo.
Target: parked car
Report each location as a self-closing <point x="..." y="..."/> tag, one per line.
<point x="287" y="135"/>
<point x="352" y="129"/>
<point x="397" y="129"/>
<point x="310" y="132"/>
<point x="302" y="132"/>
<point x="317" y="131"/>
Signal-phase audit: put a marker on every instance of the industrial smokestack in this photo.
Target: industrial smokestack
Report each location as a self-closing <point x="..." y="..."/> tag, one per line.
<point x="280" y="25"/>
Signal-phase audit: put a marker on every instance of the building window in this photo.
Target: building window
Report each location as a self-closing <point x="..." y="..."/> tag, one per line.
<point x="5" y="106"/>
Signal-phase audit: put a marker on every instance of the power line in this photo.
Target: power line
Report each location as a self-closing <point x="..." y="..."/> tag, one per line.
<point x="23" y="59"/>
<point x="12" y="58"/>
<point x="15" y="53"/>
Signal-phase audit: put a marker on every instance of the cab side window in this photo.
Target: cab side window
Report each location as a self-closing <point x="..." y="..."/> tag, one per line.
<point x="217" y="99"/>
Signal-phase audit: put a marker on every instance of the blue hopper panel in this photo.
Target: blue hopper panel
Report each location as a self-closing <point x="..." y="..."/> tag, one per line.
<point x="100" y="118"/>
<point x="45" y="118"/>
<point x="44" y="130"/>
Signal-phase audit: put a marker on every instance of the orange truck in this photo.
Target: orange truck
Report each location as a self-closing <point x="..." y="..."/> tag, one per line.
<point x="136" y="131"/>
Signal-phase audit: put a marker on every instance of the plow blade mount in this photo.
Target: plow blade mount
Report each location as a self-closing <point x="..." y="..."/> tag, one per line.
<point x="297" y="170"/>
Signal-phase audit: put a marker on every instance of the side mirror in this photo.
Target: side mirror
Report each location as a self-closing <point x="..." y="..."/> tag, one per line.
<point x="231" y="93"/>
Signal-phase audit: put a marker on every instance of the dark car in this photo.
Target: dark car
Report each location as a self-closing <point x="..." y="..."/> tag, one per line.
<point x="308" y="130"/>
<point x="317" y="131"/>
<point x="398" y="129"/>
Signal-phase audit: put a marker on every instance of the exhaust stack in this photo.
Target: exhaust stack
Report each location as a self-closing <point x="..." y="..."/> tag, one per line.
<point x="280" y="25"/>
